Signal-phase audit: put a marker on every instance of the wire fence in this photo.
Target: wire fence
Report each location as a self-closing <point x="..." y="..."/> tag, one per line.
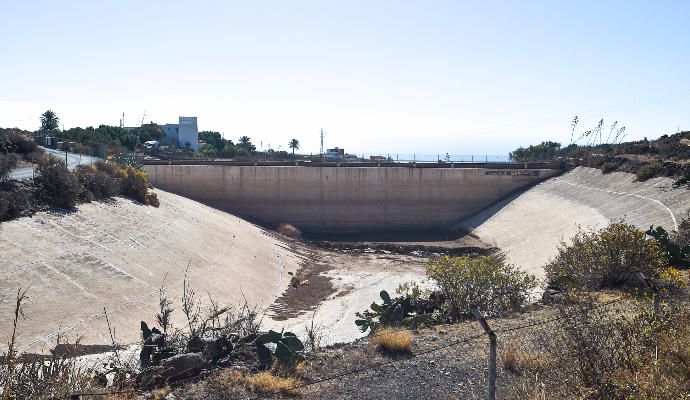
<point x="426" y="158"/>
<point x="448" y="361"/>
<point x="456" y="361"/>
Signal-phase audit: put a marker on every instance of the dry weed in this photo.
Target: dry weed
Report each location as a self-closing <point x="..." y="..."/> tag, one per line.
<point x="266" y="382"/>
<point x="393" y="341"/>
<point x="518" y="361"/>
<point x="289" y="231"/>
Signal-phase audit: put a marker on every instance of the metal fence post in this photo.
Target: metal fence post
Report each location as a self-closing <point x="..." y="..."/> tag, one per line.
<point x="491" y="389"/>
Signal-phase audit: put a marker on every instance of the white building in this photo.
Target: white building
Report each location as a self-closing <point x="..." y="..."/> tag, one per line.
<point x="183" y="134"/>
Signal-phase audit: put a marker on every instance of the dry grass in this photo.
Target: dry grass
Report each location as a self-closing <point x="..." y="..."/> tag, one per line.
<point x="518" y="361"/>
<point x="393" y="341"/>
<point x="289" y="230"/>
<point x="264" y="382"/>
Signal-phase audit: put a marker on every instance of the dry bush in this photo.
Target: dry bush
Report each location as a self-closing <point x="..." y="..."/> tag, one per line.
<point x="108" y="167"/>
<point x="152" y="200"/>
<point x="289" y="231"/>
<point x="393" y="341"/>
<point x="486" y="281"/>
<point x="7" y="163"/>
<point x="627" y="352"/>
<point x="58" y="185"/>
<point x="16" y="142"/>
<point x="608" y="258"/>
<point x="98" y="183"/>
<point x="15" y="201"/>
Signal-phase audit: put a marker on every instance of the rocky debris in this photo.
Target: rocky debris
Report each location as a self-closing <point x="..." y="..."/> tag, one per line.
<point x="76" y="350"/>
<point x="175" y="368"/>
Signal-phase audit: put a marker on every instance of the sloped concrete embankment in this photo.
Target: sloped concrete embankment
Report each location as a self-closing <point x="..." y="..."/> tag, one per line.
<point x="530" y="227"/>
<point x="117" y="255"/>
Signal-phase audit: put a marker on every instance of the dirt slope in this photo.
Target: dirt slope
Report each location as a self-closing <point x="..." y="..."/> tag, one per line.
<point x="116" y="255"/>
<point x="530" y="227"/>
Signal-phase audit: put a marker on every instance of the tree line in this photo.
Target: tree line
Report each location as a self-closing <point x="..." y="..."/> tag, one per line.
<point x="215" y="144"/>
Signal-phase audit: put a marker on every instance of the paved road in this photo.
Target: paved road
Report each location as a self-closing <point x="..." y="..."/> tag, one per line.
<point x="72" y="161"/>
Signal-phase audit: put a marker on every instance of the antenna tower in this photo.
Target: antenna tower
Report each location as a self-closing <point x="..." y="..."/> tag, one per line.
<point x="321" y="141"/>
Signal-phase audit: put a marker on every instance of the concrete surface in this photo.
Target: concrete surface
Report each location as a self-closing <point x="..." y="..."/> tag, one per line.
<point x="345" y="199"/>
<point x="530" y="227"/>
<point x="73" y="160"/>
<point x="116" y="255"/>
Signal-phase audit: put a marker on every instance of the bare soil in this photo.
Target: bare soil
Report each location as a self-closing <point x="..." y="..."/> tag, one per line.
<point x="313" y="285"/>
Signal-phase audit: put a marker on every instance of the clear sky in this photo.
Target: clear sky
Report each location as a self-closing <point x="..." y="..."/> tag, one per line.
<point x="432" y="77"/>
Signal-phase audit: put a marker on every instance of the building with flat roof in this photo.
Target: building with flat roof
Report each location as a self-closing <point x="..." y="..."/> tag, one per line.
<point x="184" y="134"/>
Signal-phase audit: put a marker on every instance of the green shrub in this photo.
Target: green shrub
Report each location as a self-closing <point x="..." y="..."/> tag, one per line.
<point x="134" y="182"/>
<point x="58" y="185"/>
<point x="677" y="250"/>
<point x="606" y="259"/>
<point x="609" y="166"/>
<point x="488" y="282"/>
<point x="648" y="171"/>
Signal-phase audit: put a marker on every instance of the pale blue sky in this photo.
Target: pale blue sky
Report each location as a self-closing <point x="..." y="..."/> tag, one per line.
<point x="379" y="76"/>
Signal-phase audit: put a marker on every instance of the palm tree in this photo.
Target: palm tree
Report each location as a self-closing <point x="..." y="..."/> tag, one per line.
<point x="49" y="121"/>
<point x="294" y="144"/>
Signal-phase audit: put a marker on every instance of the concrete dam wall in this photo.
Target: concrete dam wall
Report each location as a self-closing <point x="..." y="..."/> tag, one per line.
<point x="345" y="199"/>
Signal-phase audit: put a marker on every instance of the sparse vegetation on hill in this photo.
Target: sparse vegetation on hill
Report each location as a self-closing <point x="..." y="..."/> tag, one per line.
<point x="541" y="152"/>
<point x="56" y="186"/>
<point x="629" y="353"/>
<point x="604" y="148"/>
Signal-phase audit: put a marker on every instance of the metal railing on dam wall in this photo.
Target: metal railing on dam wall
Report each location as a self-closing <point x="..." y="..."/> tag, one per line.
<point x="332" y="198"/>
<point x="352" y="164"/>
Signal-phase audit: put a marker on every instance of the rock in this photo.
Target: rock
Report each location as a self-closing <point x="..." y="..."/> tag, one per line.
<point x="552" y="294"/>
<point x="172" y="369"/>
<point x="217" y="349"/>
